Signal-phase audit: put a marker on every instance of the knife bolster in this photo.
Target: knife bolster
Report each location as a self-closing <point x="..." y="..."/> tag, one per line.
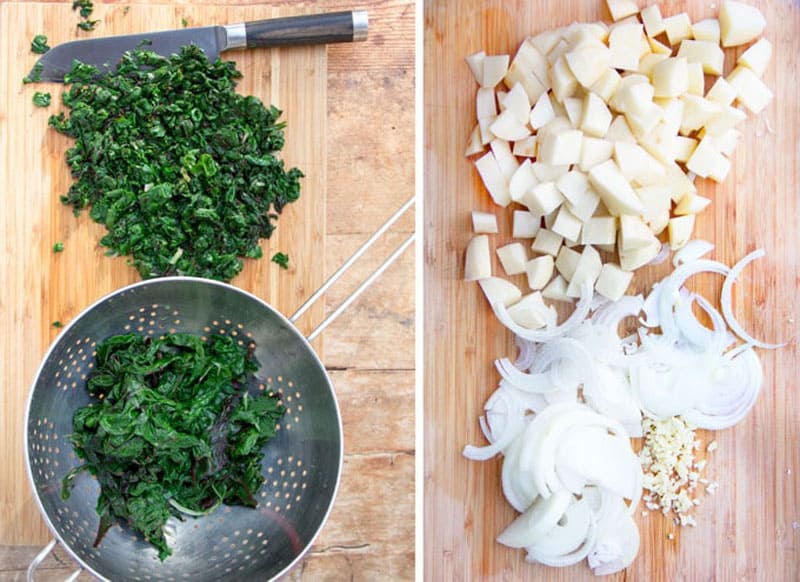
<point x="236" y="36"/>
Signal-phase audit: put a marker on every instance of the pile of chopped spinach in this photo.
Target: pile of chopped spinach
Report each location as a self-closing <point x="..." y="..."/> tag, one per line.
<point x="85" y="9"/>
<point x="179" y="167"/>
<point x="172" y="430"/>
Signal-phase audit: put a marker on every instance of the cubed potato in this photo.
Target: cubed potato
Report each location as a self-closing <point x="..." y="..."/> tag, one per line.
<point x="657" y="201"/>
<point x="659" y="47"/>
<point x="525" y="147"/>
<point x="606" y="85"/>
<point x="599" y="230"/>
<point x="562" y="81"/>
<point x="493" y="179"/>
<point x="670" y="77"/>
<point x="567" y="225"/>
<point x="580" y="33"/>
<point x="635" y="259"/>
<point x="484" y="222"/>
<point x="705" y="52"/>
<point x="727" y="118"/>
<point x="522" y="181"/>
<point x="644" y="124"/>
<point x="547" y="242"/>
<point x="649" y="61"/>
<point x="691" y="204"/>
<point x="697" y="81"/>
<point x="474" y="145"/>
<point x="633" y="234"/>
<point x="750" y="90"/>
<point x="596" y="118"/>
<point x="595" y="151"/>
<point x="497" y="290"/>
<point x="513" y="257"/>
<point x="697" y="111"/>
<point x="546" y="41"/>
<point x="475" y="62"/>
<point x="625" y="44"/>
<point x="542" y="112"/>
<point x="539" y="271"/>
<point x="529" y="311"/>
<point x="478" y="261"/>
<point x="561" y="148"/>
<point x="739" y="23"/>
<point x="574" y="108"/>
<point x="614" y="190"/>
<point x="525" y="224"/>
<point x="495" y="68"/>
<point x="484" y="126"/>
<point x="585" y="207"/>
<point x="707" y="29"/>
<point x="724" y="142"/>
<point x="556" y="290"/>
<point x="588" y="63"/>
<point x="757" y="57"/>
<point x="558" y="51"/>
<point x="528" y="58"/>
<point x="543" y="199"/>
<point x="518" y="73"/>
<point x="547" y="172"/>
<point x="572" y="185"/>
<point x="566" y="262"/>
<point x="505" y="159"/>
<point x="708" y="162"/>
<point x="507" y="127"/>
<point x="680" y="231"/>
<point x="721" y="92"/>
<point x="613" y="282"/>
<point x="637" y="165"/>
<point x="586" y="271"/>
<point x="485" y="104"/>
<point x="677" y="183"/>
<point x="683" y="148"/>
<point x="619" y="9"/>
<point x="653" y="22"/>
<point x="516" y="101"/>
<point x="678" y="28"/>
<point x="619" y="130"/>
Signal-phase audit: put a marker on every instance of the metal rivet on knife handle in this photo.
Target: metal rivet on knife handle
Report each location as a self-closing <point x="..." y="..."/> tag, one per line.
<point x="308" y="29"/>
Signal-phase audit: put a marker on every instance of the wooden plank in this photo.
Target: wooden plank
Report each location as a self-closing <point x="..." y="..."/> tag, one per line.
<point x="749" y="529"/>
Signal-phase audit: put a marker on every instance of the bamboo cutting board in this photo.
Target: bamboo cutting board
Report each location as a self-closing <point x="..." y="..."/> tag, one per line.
<point x="39" y="286"/>
<point x="750" y="530"/>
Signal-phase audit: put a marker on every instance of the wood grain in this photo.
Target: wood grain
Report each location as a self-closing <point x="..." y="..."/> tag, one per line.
<point x="749" y="530"/>
<point x="319" y="101"/>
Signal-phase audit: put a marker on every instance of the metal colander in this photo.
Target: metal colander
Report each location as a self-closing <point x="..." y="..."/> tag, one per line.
<point x="301" y="465"/>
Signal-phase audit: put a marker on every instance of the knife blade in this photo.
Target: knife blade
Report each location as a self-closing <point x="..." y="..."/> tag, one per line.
<point x="105" y="52"/>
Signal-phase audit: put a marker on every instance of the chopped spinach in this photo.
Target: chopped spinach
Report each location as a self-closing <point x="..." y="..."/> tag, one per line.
<point x="282" y="259"/>
<point x="179" y="167"/>
<point x="39" y="44"/>
<point x="58" y="247"/>
<point x="184" y="22"/>
<point x="87" y="24"/>
<point x="41" y="99"/>
<point x="86" y="7"/>
<point x="57" y="324"/>
<point x="171" y="431"/>
<point x="35" y="75"/>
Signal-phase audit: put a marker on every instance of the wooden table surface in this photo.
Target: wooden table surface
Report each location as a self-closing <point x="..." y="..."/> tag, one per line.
<point x="350" y="115"/>
<point x="750" y="530"/>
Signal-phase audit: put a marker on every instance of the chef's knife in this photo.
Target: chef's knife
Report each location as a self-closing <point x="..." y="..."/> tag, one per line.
<point x="105" y="52"/>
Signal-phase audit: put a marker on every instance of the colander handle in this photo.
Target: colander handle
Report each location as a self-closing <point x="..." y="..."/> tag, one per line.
<point x="347" y="264"/>
<point x="40" y="557"/>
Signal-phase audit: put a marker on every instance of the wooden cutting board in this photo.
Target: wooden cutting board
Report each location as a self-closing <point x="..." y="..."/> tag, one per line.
<point x="39" y="286"/>
<point x="750" y="530"/>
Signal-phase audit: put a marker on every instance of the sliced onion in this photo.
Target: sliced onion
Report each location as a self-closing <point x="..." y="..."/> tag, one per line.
<point x="538" y="335"/>
<point x="727" y="302"/>
<point x="541" y="517"/>
<point x="692" y="251"/>
<point x="662" y="255"/>
<point x="536" y="555"/>
<point x="540" y="382"/>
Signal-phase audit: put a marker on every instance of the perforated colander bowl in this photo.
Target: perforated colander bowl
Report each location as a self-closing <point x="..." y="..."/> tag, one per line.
<point x="301" y="466"/>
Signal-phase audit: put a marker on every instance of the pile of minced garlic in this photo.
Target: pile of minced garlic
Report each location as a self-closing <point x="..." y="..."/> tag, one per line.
<point x="671" y="472"/>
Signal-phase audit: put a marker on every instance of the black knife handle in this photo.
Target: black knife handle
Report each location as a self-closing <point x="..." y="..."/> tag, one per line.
<point x="308" y="29"/>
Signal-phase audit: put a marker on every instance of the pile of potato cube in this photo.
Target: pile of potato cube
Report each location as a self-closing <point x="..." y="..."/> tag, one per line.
<point x="597" y="132"/>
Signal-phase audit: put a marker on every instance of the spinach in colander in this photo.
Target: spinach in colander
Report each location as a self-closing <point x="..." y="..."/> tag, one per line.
<point x="171" y="430"/>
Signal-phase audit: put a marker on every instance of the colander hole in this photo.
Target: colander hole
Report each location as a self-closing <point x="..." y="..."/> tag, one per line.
<point x="234" y="333"/>
<point x="140" y="328"/>
<point x="240" y="325"/>
<point x="280" y="461"/>
<point x="90" y="365"/>
<point x="303" y="486"/>
<point x="262" y="552"/>
<point x="177" y="322"/>
<point x="222" y="332"/>
<point x="226" y="555"/>
<point x="151" y="322"/>
<point x="232" y="546"/>
<point x="269" y="470"/>
<point x="298" y="497"/>
<point x="141" y="320"/>
<point x="288" y="506"/>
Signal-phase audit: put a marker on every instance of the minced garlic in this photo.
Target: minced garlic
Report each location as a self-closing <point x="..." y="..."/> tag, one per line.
<point x="671" y="473"/>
